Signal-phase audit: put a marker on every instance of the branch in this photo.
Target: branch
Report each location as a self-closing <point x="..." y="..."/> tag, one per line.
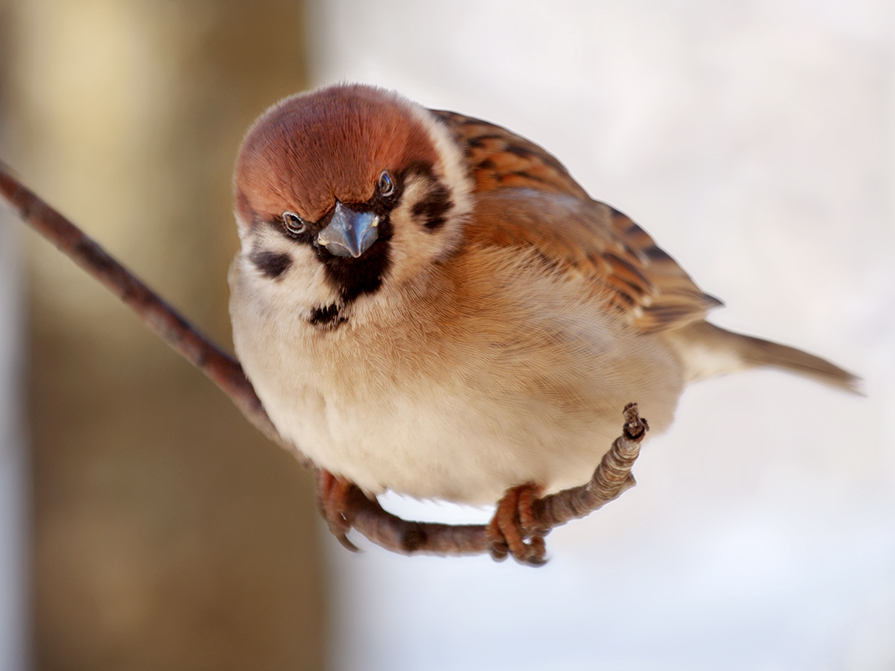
<point x="158" y="316"/>
<point x="611" y="478"/>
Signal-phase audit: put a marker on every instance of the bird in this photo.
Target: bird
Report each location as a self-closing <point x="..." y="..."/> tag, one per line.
<point x="429" y="303"/>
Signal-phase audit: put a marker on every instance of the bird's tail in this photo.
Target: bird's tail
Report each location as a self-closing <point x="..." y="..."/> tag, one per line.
<point x="708" y="350"/>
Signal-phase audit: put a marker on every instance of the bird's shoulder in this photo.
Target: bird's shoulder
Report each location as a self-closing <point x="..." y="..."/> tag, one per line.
<point x="498" y="158"/>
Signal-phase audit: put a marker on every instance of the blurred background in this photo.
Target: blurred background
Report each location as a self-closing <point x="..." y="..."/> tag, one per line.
<point x="145" y="524"/>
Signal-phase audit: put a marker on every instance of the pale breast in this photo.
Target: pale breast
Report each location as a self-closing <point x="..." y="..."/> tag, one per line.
<point x="480" y="386"/>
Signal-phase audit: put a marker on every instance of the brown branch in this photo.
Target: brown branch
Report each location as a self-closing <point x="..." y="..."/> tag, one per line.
<point x="157" y="315"/>
<point x="611" y="478"/>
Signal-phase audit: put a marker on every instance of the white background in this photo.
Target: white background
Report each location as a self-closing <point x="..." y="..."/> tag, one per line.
<point x="754" y="141"/>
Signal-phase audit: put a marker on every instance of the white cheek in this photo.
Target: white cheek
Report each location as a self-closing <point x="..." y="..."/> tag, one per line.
<point x="302" y="287"/>
<point x="409" y="248"/>
<point x="452" y="162"/>
<point x="415" y="248"/>
<point x="242" y="228"/>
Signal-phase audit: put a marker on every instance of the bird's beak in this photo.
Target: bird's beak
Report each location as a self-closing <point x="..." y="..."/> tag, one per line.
<point x="349" y="233"/>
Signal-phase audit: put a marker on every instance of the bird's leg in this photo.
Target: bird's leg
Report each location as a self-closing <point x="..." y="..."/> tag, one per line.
<point x="512" y="529"/>
<point x="332" y="501"/>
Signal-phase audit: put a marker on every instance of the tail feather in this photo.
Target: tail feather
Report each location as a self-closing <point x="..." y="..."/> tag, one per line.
<point x="708" y="350"/>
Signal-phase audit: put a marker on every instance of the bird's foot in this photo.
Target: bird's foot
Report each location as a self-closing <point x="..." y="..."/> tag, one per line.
<point x="332" y="501"/>
<point x="512" y="530"/>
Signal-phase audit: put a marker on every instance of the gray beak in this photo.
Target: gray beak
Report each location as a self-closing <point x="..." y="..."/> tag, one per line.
<point x="349" y="233"/>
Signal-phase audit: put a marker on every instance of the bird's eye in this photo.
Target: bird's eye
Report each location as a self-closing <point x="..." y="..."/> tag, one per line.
<point x="293" y="224"/>
<point x="386" y="184"/>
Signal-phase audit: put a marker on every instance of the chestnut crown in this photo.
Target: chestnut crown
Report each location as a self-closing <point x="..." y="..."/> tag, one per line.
<point x="313" y="149"/>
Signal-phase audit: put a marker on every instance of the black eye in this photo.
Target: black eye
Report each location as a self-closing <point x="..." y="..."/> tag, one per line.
<point x="386" y="184"/>
<point x="293" y="224"/>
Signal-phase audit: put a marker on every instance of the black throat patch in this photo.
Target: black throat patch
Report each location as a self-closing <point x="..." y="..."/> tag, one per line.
<point x="355" y="277"/>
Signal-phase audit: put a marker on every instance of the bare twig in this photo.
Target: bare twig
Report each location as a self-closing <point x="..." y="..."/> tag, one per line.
<point x="611" y="478"/>
<point x="158" y="316"/>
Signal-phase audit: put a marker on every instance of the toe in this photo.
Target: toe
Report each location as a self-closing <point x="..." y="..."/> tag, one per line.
<point x="512" y="530"/>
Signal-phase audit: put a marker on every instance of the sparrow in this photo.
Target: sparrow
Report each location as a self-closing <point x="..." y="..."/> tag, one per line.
<point x="429" y="303"/>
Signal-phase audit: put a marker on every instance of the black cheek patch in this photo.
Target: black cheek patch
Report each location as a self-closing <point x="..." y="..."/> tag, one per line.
<point x="271" y="264"/>
<point x="434" y="207"/>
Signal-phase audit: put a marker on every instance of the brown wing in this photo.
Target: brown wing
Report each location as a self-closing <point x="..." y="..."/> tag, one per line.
<point x="632" y="276"/>
<point x="501" y="159"/>
<point x="526" y="198"/>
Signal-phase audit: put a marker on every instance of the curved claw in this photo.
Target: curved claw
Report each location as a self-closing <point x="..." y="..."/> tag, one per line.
<point x="332" y="502"/>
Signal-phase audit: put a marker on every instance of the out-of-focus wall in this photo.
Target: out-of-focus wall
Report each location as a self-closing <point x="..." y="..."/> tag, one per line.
<point x="167" y="532"/>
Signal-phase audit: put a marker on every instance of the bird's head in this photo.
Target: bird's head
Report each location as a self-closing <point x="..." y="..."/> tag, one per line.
<point x="345" y="192"/>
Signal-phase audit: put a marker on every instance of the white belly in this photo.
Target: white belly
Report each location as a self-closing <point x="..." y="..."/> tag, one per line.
<point x="450" y="422"/>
